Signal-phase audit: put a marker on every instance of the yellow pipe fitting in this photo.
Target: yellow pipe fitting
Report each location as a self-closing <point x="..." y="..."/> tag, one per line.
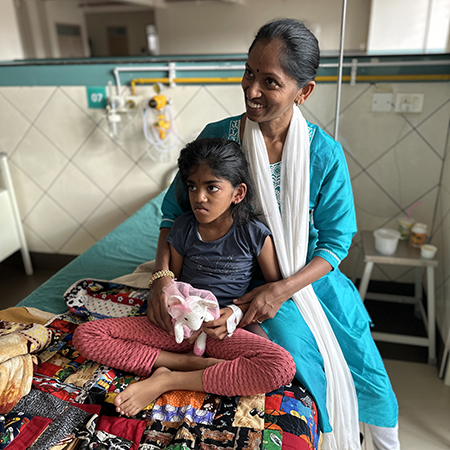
<point x="134" y="81"/>
<point x="205" y="80"/>
<point x="327" y="78"/>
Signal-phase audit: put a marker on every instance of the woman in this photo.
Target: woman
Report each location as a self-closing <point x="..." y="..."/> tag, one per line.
<point x="291" y="159"/>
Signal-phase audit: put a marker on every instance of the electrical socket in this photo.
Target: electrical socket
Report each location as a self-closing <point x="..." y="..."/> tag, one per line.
<point x="409" y="103"/>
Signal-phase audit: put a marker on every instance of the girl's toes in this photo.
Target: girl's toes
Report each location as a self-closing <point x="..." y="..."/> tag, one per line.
<point x="118" y="401"/>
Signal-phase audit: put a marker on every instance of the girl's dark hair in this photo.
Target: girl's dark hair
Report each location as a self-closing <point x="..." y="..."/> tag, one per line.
<point x="300" y="54"/>
<point x="226" y="160"/>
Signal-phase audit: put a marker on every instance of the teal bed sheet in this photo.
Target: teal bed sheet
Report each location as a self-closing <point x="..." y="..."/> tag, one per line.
<point x="118" y="253"/>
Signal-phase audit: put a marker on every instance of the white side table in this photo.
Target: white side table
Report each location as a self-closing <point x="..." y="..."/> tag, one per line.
<point x="12" y="237"/>
<point x="404" y="256"/>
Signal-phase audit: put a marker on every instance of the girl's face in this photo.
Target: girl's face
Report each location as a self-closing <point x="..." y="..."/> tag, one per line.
<point x="211" y="197"/>
<point x="269" y="91"/>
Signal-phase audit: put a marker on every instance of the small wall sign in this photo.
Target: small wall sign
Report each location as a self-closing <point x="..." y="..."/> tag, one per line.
<point x="96" y="96"/>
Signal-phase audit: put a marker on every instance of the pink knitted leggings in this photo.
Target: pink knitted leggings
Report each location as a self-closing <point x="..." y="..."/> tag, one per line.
<point x="253" y="365"/>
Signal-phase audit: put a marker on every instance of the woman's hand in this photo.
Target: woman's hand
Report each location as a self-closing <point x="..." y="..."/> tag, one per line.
<point x="264" y="302"/>
<point x="217" y="329"/>
<point x="157" y="305"/>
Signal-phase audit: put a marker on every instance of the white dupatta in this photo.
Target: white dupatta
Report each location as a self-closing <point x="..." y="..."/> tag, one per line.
<point x="290" y="232"/>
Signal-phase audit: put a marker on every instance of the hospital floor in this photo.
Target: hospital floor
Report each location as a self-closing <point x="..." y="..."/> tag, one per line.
<point x="424" y="400"/>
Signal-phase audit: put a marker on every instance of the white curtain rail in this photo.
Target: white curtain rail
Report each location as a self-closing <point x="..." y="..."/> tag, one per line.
<point x="171" y="68"/>
<point x="441" y="62"/>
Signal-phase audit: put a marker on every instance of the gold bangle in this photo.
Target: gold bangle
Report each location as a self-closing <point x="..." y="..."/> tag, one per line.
<point x="160" y="274"/>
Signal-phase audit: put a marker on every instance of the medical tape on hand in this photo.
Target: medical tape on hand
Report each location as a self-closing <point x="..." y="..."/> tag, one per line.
<point x="234" y="319"/>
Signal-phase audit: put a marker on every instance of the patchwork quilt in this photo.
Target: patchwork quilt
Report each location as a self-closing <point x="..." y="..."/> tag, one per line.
<point x="70" y="402"/>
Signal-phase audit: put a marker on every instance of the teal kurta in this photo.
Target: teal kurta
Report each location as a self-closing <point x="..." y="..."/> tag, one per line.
<point x="332" y="226"/>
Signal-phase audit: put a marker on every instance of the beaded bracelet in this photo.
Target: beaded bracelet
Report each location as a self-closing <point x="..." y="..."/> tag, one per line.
<point x="160" y="274"/>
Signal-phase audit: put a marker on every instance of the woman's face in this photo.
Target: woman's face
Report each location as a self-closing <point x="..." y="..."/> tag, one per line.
<point x="269" y="91"/>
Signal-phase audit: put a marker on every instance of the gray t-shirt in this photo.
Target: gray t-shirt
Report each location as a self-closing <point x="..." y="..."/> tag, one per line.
<point x="224" y="266"/>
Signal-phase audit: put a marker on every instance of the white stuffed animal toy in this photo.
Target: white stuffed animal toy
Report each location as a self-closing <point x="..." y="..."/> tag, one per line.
<point x="189" y="308"/>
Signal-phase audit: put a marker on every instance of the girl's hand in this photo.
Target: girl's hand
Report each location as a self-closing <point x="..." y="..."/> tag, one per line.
<point x="193" y="337"/>
<point x="157" y="305"/>
<point x="264" y="301"/>
<point x="217" y="329"/>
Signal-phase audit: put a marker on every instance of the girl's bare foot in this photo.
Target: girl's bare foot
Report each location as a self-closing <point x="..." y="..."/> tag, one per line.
<point x="139" y="395"/>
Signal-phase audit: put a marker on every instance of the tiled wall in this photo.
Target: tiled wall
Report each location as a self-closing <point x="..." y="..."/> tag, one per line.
<point x="75" y="183"/>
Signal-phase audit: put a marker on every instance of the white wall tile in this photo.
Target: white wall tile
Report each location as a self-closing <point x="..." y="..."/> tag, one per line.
<point x="399" y="171"/>
<point x="433" y="129"/>
<point x="75" y="190"/>
<point x="230" y="97"/>
<point x="199" y="111"/>
<point x="79" y="95"/>
<point x="29" y="100"/>
<point x="139" y="187"/>
<point x="39" y="158"/>
<point x="79" y="241"/>
<point x="27" y="191"/>
<point x="321" y="105"/>
<point x="52" y="225"/>
<point x="353" y="167"/>
<point x="373" y="207"/>
<point x="65" y="123"/>
<point x="103" y="161"/>
<point x="13" y="125"/>
<point x="37" y="243"/>
<point x="368" y="134"/>
<point x="102" y="220"/>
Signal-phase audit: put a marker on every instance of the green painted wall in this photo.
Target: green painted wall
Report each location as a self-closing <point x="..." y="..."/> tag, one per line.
<point x="99" y="71"/>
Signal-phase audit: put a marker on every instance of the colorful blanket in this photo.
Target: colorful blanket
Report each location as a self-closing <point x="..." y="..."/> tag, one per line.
<point x="70" y="404"/>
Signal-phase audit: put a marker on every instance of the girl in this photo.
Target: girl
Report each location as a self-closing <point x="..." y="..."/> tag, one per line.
<point x="216" y="246"/>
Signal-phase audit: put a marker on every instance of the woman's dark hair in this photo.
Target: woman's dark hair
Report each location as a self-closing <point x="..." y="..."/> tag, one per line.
<point x="226" y="160"/>
<point x="300" y="53"/>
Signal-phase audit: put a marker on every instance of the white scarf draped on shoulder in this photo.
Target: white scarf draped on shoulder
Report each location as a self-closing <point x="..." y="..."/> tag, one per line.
<point x="290" y="231"/>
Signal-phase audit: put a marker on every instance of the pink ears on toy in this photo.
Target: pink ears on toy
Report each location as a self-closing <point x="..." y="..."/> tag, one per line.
<point x="180" y="303"/>
<point x="175" y="300"/>
<point x="177" y="306"/>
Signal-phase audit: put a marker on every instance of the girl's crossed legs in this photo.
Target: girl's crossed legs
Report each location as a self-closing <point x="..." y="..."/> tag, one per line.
<point x="243" y="364"/>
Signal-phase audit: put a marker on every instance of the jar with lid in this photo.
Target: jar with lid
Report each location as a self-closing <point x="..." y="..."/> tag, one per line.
<point x="418" y="234"/>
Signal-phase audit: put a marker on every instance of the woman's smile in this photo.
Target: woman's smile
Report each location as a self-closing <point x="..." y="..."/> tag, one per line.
<point x="253" y="105"/>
